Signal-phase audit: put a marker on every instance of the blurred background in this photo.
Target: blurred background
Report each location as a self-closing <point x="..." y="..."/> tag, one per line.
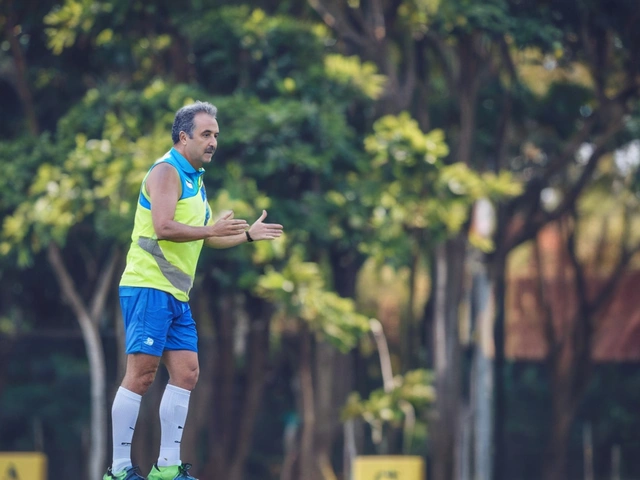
<point x="459" y="184"/>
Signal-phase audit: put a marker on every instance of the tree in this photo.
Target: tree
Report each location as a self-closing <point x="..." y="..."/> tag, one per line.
<point x="599" y="117"/>
<point x="588" y="268"/>
<point x="299" y="293"/>
<point x="286" y="132"/>
<point x="459" y="66"/>
<point x="518" y="86"/>
<point x="78" y="209"/>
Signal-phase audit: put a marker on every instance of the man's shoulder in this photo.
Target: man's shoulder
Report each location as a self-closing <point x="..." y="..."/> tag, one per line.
<point x="164" y="165"/>
<point x="167" y="158"/>
<point x="163" y="174"/>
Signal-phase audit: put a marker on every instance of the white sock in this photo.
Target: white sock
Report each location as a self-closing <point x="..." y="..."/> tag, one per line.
<point x="124" y="414"/>
<point x="173" y="413"/>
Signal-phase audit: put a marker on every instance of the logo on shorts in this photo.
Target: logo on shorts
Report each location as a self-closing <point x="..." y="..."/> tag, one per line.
<point x="148" y="341"/>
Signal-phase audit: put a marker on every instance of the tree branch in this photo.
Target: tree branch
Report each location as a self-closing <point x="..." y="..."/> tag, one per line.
<point x="549" y="330"/>
<point x="595" y="60"/>
<point x="104" y="283"/>
<point x="536" y="218"/>
<point x="569" y="151"/>
<point x="442" y="52"/>
<point x="500" y="144"/>
<point x="22" y="82"/>
<point x="580" y="278"/>
<point x="606" y="292"/>
<point x="407" y="86"/>
<point x="377" y="20"/>
<point x="69" y="290"/>
<point x="336" y="21"/>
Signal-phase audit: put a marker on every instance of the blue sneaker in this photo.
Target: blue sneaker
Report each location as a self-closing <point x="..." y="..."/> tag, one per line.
<point x="174" y="472"/>
<point x="131" y="473"/>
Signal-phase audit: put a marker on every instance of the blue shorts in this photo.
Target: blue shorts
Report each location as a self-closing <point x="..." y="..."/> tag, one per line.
<point x="155" y="321"/>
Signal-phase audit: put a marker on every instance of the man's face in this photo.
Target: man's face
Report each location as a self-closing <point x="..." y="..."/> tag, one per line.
<point x="202" y="146"/>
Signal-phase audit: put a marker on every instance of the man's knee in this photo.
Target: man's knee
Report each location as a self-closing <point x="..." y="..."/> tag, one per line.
<point x="187" y="377"/>
<point x="139" y="380"/>
<point x="183" y="368"/>
<point x="146" y="379"/>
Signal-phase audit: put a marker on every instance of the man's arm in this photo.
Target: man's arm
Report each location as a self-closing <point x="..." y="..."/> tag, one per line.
<point x="258" y="231"/>
<point x="164" y="188"/>
<point x="226" y="242"/>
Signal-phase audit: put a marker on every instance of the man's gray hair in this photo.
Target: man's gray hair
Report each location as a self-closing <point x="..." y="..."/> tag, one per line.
<point x="184" y="118"/>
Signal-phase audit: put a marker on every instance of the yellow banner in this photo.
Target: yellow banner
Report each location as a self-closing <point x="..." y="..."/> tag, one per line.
<point x="23" y="466"/>
<point x="400" y="467"/>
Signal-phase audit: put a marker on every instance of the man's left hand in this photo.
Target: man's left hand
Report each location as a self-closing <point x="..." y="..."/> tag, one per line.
<point x="264" y="231"/>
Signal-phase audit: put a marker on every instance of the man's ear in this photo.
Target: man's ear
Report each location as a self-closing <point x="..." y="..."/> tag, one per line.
<point x="183" y="137"/>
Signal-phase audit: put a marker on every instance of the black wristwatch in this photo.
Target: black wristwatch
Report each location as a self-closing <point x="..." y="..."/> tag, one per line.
<point x="249" y="239"/>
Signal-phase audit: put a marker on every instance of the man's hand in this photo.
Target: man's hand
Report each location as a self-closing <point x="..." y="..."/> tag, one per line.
<point x="227" y="226"/>
<point x="264" y="231"/>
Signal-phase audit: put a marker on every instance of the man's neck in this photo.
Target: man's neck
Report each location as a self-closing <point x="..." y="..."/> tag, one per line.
<point x="180" y="149"/>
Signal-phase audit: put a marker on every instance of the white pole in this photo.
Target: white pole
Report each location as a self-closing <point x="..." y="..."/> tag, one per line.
<point x="616" y="463"/>
<point x="587" y="446"/>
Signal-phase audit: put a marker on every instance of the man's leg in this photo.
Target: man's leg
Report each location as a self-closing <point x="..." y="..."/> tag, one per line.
<point x="141" y="370"/>
<point x="183" y="375"/>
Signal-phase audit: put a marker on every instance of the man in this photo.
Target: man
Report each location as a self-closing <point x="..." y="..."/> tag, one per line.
<point x="172" y="222"/>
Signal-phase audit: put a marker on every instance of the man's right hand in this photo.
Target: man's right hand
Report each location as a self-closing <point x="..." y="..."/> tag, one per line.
<point x="227" y="225"/>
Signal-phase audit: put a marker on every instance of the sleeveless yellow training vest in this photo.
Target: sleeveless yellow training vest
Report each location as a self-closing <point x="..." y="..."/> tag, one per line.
<point x="163" y="264"/>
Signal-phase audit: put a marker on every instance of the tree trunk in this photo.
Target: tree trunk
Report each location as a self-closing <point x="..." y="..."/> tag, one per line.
<point x="334" y="382"/>
<point x="22" y="82"/>
<point x="345" y="266"/>
<point x="562" y="415"/>
<point x="236" y="406"/>
<point x="88" y="320"/>
<point x="7" y="342"/>
<point x="200" y="410"/>
<point x="570" y="365"/>
<point x="409" y="341"/>
<point x="482" y="383"/>
<point x="221" y="439"/>
<point x="449" y="258"/>
<point x="200" y="405"/>
<point x="308" y="468"/>
<point x="499" y="391"/>
<point x="257" y="351"/>
<point x="468" y="84"/>
<point x="325" y="362"/>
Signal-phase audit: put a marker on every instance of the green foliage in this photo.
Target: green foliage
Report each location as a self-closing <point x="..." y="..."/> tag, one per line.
<point x="92" y="170"/>
<point x="416" y="15"/>
<point x="273" y="55"/>
<point x="410" y="188"/>
<point x="523" y="23"/>
<point x="363" y="76"/>
<point x="128" y="37"/>
<point x="294" y="118"/>
<point x="560" y="105"/>
<point x="19" y="158"/>
<point x="33" y="395"/>
<point x="609" y="407"/>
<point x="73" y="17"/>
<point x="389" y="408"/>
<point x="295" y="153"/>
<point x="285" y="119"/>
<point x="414" y="387"/>
<point x="397" y="141"/>
<point x="299" y="292"/>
